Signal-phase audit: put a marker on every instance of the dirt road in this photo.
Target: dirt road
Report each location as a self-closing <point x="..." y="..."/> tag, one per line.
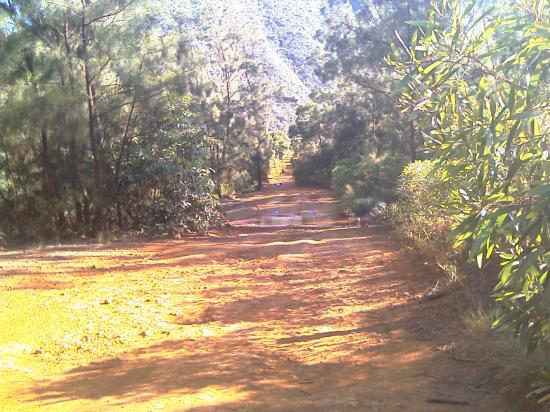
<point x="290" y="310"/>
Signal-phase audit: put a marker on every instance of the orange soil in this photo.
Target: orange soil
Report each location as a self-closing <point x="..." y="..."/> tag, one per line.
<point x="314" y="316"/>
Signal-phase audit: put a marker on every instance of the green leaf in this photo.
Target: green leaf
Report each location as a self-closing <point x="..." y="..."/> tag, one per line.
<point x="528" y="114"/>
<point x="512" y="98"/>
<point x="493" y="107"/>
<point x="432" y="67"/>
<point x="444" y="76"/>
<point x="420" y="23"/>
<point x="402" y="84"/>
<point x="539" y="190"/>
<point x="504" y="276"/>
<point x="526" y="156"/>
<point x="469" y="8"/>
<point x="490" y="250"/>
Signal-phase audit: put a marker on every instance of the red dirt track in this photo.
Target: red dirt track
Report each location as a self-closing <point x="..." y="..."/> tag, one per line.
<point x="292" y="309"/>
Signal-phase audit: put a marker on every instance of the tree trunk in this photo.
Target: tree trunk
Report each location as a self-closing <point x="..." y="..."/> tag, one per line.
<point x="377" y="140"/>
<point x="9" y="173"/>
<point x="82" y="207"/>
<point x="125" y="148"/>
<point x="259" y="162"/>
<point x="412" y="141"/>
<point x="126" y="137"/>
<point x="50" y="186"/>
<point x="99" y="219"/>
<point x="46" y="169"/>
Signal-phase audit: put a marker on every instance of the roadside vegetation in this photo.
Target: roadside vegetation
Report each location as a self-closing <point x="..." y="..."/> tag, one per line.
<point x="440" y="124"/>
<point x="128" y="117"/>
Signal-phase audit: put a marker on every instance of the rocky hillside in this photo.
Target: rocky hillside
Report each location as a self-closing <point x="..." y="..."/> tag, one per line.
<point x="283" y="32"/>
<point x="289" y="29"/>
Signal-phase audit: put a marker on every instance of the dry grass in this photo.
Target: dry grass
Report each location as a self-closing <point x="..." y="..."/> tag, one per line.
<point x="504" y="365"/>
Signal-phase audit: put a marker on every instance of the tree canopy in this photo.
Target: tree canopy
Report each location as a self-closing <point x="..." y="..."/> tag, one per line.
<point x="117" y="117"/>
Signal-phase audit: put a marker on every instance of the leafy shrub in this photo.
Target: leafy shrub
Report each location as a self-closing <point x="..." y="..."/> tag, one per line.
<point x="347" y="173"/>
<point x="385" y="176"/>
<point x="365" y="183"/>
<point x="187" y="205"/>
<point x="181" y="202"/>
<point x="490" y="129"/>
<point x="500" y="351"/>
<point x="243" y="183"/>
<point x="358" y="206"/>
<point x="314" y="169"/>
<point x="422" y="212"/>
<point x="165" y="189"/>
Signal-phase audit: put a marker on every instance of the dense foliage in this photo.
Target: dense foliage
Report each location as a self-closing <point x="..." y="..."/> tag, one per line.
<point x="477" y="81"/>
<point x="117" y="115"/>
<point x="422" y="212"/>
<point x="345" y="135"/>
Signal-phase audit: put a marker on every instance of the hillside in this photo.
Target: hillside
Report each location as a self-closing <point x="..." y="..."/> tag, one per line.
<point x="284" y="35"/>
<point x="290" y="29"/>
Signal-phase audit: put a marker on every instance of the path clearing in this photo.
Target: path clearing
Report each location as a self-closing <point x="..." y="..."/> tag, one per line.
<point x="291" y="310"/>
